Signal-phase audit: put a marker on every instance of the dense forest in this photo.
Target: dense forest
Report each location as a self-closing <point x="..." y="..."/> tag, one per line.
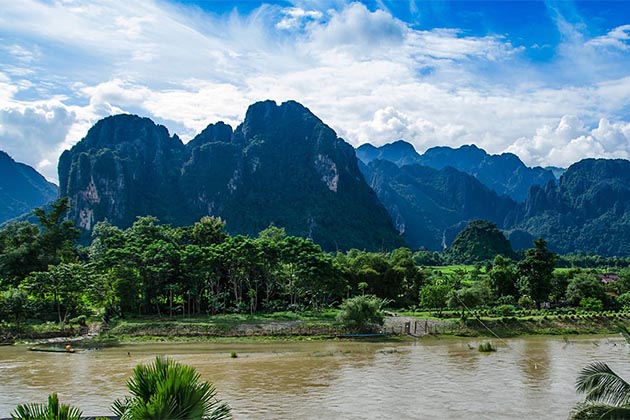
<point x="156" y="269"/>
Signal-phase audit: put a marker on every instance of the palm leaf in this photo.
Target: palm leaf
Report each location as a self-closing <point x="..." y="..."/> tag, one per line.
<point x="591" y="411"/>
<point x="51" y="411"/>
<point x="624" y="331"/>
<point x="166" y="389"/>
<point x="602" y="385"/>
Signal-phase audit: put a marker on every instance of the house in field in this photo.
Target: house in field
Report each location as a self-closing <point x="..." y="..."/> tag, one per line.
<point x="608" y="278"/>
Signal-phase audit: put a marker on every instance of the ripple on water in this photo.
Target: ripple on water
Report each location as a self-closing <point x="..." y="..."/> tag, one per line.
<point x="430" y="379"/>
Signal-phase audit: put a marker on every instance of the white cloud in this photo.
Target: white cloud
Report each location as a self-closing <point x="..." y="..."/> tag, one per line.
<point x="367" y="74"/>
<point x="571" y="140"/>
<point x="618" y="38"/>
<point x="296" y="17"/>
<point x="356" y="25"/>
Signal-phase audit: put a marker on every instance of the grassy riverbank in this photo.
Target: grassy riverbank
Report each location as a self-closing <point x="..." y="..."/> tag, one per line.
<point x="322" y="325"/>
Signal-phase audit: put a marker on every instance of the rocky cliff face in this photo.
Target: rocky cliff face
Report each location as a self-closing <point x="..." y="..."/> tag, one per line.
<point x="282" y="165"/>
<point x="22" y="188"/>
<point x="126" y="166"/>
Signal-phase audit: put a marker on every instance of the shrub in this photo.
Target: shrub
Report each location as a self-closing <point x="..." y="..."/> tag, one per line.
<point x="592" y="304"/>
<point x="505" y="310"/>
<point x="525" y="302"/>
<point x="361" y="313"/>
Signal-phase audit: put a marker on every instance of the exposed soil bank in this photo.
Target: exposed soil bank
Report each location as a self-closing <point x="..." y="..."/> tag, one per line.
<point x="199" y="330"/>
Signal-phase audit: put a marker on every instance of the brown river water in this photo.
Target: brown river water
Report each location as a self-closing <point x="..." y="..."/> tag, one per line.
<point x="527" y="378"/>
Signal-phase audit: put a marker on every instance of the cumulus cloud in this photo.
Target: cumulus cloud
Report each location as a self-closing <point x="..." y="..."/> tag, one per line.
<point x="357" y="26"/>
<point x="35" y="135"/>
<point x="571" y="140"/>
<point x="369" y="75"/>
<point x="296" y="17"/>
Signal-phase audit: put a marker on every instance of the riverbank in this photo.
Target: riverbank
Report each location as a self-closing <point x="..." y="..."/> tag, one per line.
<point x="296" y="327"/>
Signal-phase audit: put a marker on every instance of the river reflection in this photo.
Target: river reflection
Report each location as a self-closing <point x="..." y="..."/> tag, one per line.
<point x="428" y="379"/>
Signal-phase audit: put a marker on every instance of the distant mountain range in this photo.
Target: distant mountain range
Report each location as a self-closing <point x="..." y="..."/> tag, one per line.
<point x="504" y="173"/>
<point x="284" y="166"/>
<point x="22" y="188"/>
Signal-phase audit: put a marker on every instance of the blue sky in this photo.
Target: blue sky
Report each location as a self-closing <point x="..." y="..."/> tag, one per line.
<point x="549" y="81"/>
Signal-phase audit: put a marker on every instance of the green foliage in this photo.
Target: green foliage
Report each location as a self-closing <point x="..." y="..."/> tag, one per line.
<point x="505" y="310"/>
<point x="166" y="389"/>
<point x="14" y="305"/>
<point x="480" y="241"/>
<point x="526" y="302"/>
<point x="361" y="313"/>
<point x="584" y="285"/>
<point x="503" y="277"/>
<point x="535" y="271"/>
<point x="624" y="300"/>
<point x="51" y="411"/>
<point x="607" y="395"/>
<point x="591" y="304"/>
<point x="487" y="347"/>
<point x="434" y="296"/>
<point x="465" y="299"/>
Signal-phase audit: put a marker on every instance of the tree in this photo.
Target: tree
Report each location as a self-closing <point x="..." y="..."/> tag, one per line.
<point x="503" y="277"/>
<point x="51" y="411"/>
<point x="64" y="284"/>
<point x="208" y="231"/>
<point x="434" y="296"/>
<point x="14" y="304"/>
<point x="584" y="285"/>
<point x="19" y="252"/>
<point x="607" y="394"/>
<point x="57" y="238"/>
<point x="464" y="299"/>
<point x="166" y="389"/>
<point x="361" y="313"/>
<point x="535" y="271"/>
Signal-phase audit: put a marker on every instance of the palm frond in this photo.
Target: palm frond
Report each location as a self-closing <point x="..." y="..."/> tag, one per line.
<point x="624" y="331"/>
<point x="601" y="384"/>
<point x="166" y="389"/>
<point x="593" y="411"/>
<point x="51" y="411"/>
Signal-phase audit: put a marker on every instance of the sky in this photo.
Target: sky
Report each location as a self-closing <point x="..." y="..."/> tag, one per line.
<point x="548" y="81"/>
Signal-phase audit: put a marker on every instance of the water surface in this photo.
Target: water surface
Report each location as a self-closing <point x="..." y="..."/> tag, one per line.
<point x="529" y="377"/>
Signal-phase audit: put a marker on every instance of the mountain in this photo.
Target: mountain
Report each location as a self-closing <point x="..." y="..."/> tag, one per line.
<point x="557" y="171"/>
<point x="399" y="152"/>
<point x="588" y="211"/>
<point x="479" y="242"/>
<point x="126" y="166"/>
<point x="430" y="206"/>
<point x="282" y="165"/>
<point x="504" y="173"/>
<point x="22" y="188"/>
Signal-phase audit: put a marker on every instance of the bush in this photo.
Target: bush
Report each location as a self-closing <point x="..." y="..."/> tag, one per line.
<point x="361" y="313"/>
<point x="526" y="302"/>
<point x="505" y="310"/>
<point x="592" y="304"/>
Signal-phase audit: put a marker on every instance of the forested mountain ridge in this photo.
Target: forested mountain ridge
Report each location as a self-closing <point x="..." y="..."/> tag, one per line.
<point x="504" y="173"/>
<point x="587" y="211"/>
<point x="281" y="166"/>
<point x="430" y="206"/>
<point x="22" y="188"/>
